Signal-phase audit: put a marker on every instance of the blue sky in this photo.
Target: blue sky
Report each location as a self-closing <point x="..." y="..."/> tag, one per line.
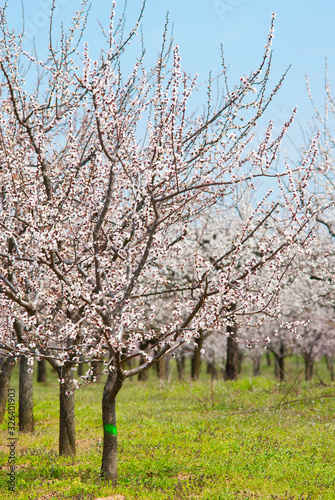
<point x="304" y="36"/>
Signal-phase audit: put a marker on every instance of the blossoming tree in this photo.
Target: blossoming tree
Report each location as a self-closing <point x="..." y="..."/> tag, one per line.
<point x="104" y="178"/>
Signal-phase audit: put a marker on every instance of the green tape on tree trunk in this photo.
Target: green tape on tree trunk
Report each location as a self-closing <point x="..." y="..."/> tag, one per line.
<point x="111" y="429"/>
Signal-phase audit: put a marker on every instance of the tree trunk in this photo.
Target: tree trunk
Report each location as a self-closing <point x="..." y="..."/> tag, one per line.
<point x="161" y="369"/>
<point x="309" y="366"/>
<point x="109" y="455"/>
<point x="232" y="352"/>
<point x="232" y="359"/>
<point x="257" y="365"/>
<point x="26" y="378"/>
<point x="196" y="358"/>
<point x="5" y="374"/>
<point x="67" y="428"/>
<point x="26" y="416"/>
<point x="268" y="358"/>
<point x="330" y="366"/>
<point x="280" y="363"/>
<point x="180" y="366"/>
<point x="41" y="371"/>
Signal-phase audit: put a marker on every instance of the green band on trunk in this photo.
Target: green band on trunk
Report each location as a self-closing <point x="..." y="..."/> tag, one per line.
<point x="111" y="429"/>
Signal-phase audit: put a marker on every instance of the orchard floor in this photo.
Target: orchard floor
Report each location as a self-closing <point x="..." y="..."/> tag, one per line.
<point x="250" y="439"/>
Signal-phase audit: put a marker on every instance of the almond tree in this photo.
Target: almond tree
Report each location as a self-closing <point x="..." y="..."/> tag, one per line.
<point x="315" y="301"/>
<point x="312" y="341"/>
<point x="323" y="263"/>
<point x="233" y="241"/>
<point x="104" y="179"/>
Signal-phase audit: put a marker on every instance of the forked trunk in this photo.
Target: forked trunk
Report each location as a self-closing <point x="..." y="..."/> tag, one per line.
<point x="26" y="416"/>
<point x="109" y="455"/>
<point x="5" y="374"/>
<point x="67" y="428"/>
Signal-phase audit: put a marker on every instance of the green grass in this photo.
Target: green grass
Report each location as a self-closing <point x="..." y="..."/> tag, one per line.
<point x="200" y="440"/>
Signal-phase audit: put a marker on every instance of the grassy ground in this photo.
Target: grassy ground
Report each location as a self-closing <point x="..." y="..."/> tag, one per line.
<point x="249" y="439"/>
